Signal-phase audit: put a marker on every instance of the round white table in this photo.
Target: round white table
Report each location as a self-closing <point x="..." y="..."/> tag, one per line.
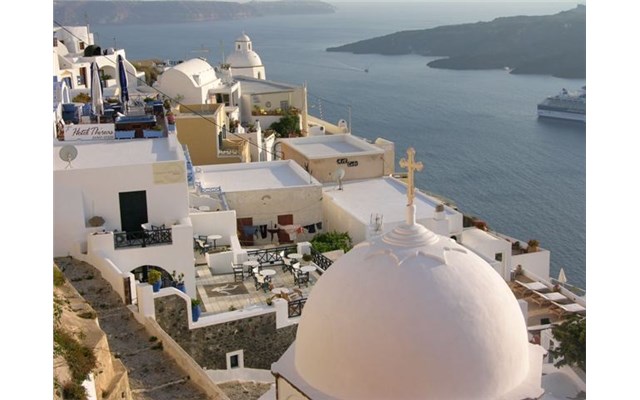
<point x="213" y="238"/>
<point x="294" y="256"/>
<point x="267" y="272"/>
<point x="308" y="268"/>
<point x="280" y="290"/>
<point x="204" y="208"/>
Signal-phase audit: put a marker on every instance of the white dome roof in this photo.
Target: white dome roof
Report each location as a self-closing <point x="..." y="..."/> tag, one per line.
<point x="415" y="315"/>
<point x="243" y="38"/>
<point x="242" y="59"/>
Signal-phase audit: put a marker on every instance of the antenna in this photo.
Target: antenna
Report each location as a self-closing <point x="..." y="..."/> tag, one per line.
<point x="339" y="176"/>
<point x="68" y="153"/>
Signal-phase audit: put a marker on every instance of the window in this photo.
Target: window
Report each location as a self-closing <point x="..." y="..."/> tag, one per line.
<point x="498" y="256"/>
<point x="545" y="321"/>
<point x="238" y="47"/>
<point x="235" y="359"/>
<point x="81" y="44"/>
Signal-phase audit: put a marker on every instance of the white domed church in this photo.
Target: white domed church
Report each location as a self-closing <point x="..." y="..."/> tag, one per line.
<point x="244" y="61"/>
<point x="411" y="315"/>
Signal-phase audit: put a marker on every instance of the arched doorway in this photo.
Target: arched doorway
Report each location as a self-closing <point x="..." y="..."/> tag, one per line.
<point x="142" y="275"/>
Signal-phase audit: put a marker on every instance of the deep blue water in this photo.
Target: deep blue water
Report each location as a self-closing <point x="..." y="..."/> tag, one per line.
<point x="476" y="132"/>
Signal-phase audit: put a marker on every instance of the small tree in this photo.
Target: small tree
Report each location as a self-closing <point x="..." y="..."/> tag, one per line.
<point x="572" y="335"/>
<point x="287" y="126"/>
<point x="330" y="241"/>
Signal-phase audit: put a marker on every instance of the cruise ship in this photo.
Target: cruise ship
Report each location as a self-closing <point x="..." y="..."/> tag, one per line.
<point x="565" y="105"/>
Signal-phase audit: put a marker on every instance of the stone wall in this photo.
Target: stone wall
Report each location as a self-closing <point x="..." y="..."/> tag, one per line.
<point x="262" y="343"/>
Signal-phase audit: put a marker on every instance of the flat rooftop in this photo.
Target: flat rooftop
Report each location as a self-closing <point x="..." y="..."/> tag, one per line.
<point x="385" y="195"/>
<point x="332" y="146"/>
<point x="262" y="86"/>
<point x="116" y="153"/>
<point x="255" y="176"/>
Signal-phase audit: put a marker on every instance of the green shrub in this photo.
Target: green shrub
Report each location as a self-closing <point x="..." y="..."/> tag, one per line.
<point x="81" y="98"/>
<point x="58" y="277"/>
<point x="330" y="241"/>
<point x="80" y="358"/>
<point x="73" y="391"/>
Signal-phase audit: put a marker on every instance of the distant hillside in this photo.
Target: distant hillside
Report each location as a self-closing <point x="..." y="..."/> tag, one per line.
<point x="153" y="12"/>
<point x="551" y="45"/>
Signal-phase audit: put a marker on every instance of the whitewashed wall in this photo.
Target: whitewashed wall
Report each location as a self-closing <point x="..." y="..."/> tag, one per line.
<point x="177" y="256"/>
<point x="264" y="206"/>
<point x="79" y="194"/>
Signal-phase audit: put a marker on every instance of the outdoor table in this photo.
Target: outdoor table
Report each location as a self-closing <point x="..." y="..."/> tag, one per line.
<point x="267" y="272"/>
<point x="280" y="290"/>
<point x="294" y="256"/>
<point x="308" y="268"/>
<point x="214" y="238"/>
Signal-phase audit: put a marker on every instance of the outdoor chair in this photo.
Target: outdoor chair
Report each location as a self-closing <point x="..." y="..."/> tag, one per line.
<point x="301" y="278"/>
<point x="204" y="246"/>
<point x="238" y="273"/>
<point x="286" y="266"/>
<point x="560" y="310"/>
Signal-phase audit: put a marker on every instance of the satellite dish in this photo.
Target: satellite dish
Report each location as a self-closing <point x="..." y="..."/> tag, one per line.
<point x="68" y="153"/>
<point x="339" y="173"/>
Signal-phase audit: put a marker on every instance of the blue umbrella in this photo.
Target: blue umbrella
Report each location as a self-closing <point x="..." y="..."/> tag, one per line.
<point x="96" y="90"/>
<point x="122" y="75"/>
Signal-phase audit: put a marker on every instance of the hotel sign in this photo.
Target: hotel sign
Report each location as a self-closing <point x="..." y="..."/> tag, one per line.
<point x="90" y="132"/>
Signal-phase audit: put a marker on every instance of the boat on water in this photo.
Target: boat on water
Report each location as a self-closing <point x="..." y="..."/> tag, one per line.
<point x="565" y="105"/>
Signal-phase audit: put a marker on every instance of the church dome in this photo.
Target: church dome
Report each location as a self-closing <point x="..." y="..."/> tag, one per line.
<point x="414" y="315"/>
<point x="244" y="56"/>
<point x="242" y="59"/>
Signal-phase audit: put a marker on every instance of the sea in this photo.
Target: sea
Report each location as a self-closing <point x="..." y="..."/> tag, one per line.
<point x="476" y="132"/>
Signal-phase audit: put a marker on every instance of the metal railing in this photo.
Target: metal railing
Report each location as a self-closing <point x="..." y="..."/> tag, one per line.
<point x="142" y="238"/>
<point x="320" y="260"/>
<point x="296" y="306"/>
<point x="271" y="256"/>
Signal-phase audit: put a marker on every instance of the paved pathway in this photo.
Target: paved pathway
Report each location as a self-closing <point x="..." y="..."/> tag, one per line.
<point x="153" y="375"/>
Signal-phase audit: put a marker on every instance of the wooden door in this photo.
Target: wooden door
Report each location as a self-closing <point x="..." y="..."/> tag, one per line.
<point x="133" y="210"/>
<point x="245" y="240"/>
<point x="287" y="219"/>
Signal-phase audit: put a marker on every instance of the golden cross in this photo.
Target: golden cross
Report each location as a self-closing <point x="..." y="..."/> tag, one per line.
<point x="411" y="165"/>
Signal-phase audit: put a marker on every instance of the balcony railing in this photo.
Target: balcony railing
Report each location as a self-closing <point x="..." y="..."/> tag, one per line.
<point x="142" y="238"/>
<point x="271" y="256"/>
<point x="320" y="260"/>
<point x="296" y="306"/>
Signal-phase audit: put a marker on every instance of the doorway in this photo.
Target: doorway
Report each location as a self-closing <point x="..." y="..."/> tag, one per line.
<point x="133" y="210"/>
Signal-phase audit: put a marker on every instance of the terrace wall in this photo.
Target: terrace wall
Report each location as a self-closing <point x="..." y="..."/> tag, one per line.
<point x="262" y="342"/>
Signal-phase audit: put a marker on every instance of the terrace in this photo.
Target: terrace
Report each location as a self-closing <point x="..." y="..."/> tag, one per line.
<point x="142" y="120"/>
<point x="221" y="293"/>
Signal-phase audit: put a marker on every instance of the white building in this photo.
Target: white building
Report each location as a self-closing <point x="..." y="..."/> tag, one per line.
<point x="325" y="156"/>
<point x="410" y="315"/>
<point x="266" y="196"/>
<point x="126" y="183"/>
<point x="267" y="101"/>
<point x="195" y="81"/>
<point x="72" y="66"/>
<point x="244" y="61"/>
<point x="367" y="208"/>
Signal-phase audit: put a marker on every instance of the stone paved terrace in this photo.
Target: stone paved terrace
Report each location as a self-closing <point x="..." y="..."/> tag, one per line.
<point x="219" y="292"/>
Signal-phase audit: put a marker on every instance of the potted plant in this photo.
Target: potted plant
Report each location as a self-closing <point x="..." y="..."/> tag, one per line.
<point x="532" y="246"/>
<point x="306" y="258"/>
<point x="178" y="279"/>
<point x="155" y="279"/>
<point x="195" y="309"/>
